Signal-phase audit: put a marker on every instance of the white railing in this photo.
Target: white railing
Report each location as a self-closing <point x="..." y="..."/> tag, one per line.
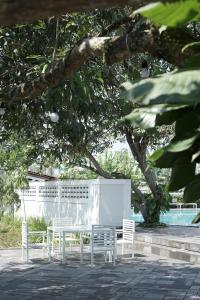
<point x="181" y="205"/>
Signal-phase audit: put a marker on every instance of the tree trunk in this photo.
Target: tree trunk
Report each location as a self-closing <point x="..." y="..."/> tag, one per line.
<point x="138" y="147"/>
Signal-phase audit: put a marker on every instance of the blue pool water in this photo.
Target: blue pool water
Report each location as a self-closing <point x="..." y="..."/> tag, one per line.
<point x="182" y="216"/>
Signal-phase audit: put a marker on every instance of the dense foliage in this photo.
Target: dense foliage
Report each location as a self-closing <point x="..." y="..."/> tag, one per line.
<point x="174" y="99"/>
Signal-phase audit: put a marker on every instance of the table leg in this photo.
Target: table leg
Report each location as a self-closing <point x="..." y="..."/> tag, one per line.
<point x="81" y="246"/>
<point x="49" y="244"/>
<point x="63" y="248"/>
<point x="59" y="243"/>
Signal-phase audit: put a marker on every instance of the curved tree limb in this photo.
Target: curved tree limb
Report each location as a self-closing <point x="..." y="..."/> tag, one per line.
<point x="98" y="170"/>
<point x="97" y="166"/>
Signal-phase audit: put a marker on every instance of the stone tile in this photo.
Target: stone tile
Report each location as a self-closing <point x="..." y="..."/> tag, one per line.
<point x="132" y="279"/>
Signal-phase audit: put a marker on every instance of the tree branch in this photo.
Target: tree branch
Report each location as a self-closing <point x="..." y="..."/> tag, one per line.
<point x="90" y="168"/>
<point x="97" y="166"/>
<point x="143" y="38"/>
<point x="140" y="198"/>
<point x="116" y="25"/>
<point x="139" y="204"/>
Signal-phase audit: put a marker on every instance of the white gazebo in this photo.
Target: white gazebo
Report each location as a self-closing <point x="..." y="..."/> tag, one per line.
<point x="98" y="201"/>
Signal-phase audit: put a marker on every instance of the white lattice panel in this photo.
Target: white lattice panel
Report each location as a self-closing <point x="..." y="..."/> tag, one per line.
<point x="48" y="191"/>
<point x="28" y="193"/>
<point x="78" y="193"/>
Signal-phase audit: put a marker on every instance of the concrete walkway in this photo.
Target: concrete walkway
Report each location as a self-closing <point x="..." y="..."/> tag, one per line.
<point x="138" y="278"/>
<point x="186" y="233"/>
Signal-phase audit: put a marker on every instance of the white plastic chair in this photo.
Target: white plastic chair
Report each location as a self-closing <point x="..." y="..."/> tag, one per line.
<point x="103" y="240"/>
<point x="128" y="232"/>
<point x="70" y="238"/>
<point x="26" y="244"/>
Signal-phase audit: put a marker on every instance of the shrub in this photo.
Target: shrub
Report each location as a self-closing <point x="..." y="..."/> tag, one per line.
<point x="10" y="232"/>
<point x="37" y="224"/>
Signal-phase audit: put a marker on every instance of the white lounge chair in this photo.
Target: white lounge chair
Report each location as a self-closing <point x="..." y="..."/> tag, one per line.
<point x="103" y="240"/>
<point x="128" y="233"/>
<point x="40" y="243"/>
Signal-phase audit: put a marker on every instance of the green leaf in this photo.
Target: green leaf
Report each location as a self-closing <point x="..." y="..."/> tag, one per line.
<point x="188" y="123"/>
<point x="164" y="159"/>
<point x="39" y="25"/>
<point x="183" y="172"/>
<point x="157" y="154"/>
<point x="180" y="88"/>
<point x="193" y="61"/>
<point x="196" y="219"/>
<point x="172" y="13"/>
<point x="171" y="115"/>
<point x="192" y="190"/>
<point x="142" y="117"/>
<point x="44" y="68"/>
<point x="182" y="145"/>
<point x="195" y="156"/>
<point x="191" y="45"/>
<point x="146" y="117"/>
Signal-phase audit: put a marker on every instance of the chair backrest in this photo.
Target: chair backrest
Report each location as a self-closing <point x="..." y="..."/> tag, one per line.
<point x="128" y="230"/>
<point x="103" y="237"/>
<point x="62" y="222"/>
<point x="24" y="234"/>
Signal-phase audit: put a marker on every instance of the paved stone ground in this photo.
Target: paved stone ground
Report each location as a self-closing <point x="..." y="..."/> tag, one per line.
<point x="188" y="233"/>
<point x="139" y="278"/>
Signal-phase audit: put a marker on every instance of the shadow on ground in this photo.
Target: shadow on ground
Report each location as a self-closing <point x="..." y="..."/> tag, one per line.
<point x="138" y="278"/>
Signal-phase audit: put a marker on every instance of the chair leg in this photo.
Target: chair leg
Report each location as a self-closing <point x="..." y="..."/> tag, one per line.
<point x="49" y="252"/>
<point x="43" y="248"/>
<point x="27" y="255"/>
<point x="105" y="256"/>
<point x="115" y="253"/>
<point x="81" y="248"/>
<point x="92" y="259"/>
<point x="70" y="246"/>
<point x="63" y="248"/>
<point x="133" y="250"/>
<point x="49" y="244"/>
<point x="122" y="248"/>
<point x="110" y="256"/>
<point x="52" y="242"/>
<point x="60" y="243"/>
<point x="114" y="257"/>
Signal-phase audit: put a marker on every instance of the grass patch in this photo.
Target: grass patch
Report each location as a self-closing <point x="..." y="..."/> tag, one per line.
<point x="10" y="230"/>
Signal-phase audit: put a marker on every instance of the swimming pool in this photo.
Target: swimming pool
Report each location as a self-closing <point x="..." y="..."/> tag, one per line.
<point x="182" y="216"/>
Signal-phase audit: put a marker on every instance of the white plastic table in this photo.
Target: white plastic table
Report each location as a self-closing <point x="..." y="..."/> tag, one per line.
<point x="66" y="230"/>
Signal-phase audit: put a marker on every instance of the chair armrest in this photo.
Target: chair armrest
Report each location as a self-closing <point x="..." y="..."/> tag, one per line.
<point x="37" y="233"/>
<point x="119" y="230"/>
